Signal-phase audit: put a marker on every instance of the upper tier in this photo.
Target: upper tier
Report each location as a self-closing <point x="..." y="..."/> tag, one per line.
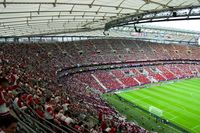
<point x="98" y="51"/>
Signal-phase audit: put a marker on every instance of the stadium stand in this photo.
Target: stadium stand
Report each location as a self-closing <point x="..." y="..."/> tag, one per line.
<point x="63" y="60"/>
<point x="72" y="103"/>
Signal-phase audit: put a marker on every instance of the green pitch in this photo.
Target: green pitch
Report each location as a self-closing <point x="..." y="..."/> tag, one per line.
<point x="179" y="102"/>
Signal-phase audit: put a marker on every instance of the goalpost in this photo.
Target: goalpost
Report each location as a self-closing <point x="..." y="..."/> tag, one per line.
<point x="156" y="111"/>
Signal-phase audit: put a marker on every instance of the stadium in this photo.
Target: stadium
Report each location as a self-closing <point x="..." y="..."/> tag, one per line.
<point x="99" y="66"/>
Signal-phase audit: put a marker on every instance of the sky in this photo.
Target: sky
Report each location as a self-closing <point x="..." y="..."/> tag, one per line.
<point x="183" y="24"/>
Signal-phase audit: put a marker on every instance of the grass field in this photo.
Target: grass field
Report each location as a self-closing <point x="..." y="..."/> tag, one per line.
<point x="179" y="101"/>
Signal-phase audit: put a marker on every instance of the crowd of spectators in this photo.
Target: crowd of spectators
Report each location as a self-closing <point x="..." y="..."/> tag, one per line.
<point x="28" y="82"/>
<point x="133" y="76"/>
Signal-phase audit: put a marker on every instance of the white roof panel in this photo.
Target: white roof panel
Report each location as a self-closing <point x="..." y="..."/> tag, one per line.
<point x="150" y="6"/>
<point x="18" y="16"/>
<point x="136" y="4"/>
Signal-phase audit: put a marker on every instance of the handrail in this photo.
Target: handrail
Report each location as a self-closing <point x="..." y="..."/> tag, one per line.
<point x="44" y="126"/>
<point x="56" y="127"/>
<point x="24" y="125"/>
<point x="34" y="120"/>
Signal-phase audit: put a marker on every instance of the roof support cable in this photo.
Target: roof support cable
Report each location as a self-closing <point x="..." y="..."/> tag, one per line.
<point x="59" y="14"/>
<point x="90" y="5"/>
<point x="164" y="6"/>
<point x="151" y="1"/>
<point x="39" y="9"/>
<point x="48" y="24"/>
<point x="98" y="10"/>
<point x="54" y="4"/>
<point x="119" y="12"/>
<point x="189" y="13"/>
<point x="83" y="15"/>
<point x="120" y="4"/>
<point x="4" y="3"/>
<point x="30" y="15"/>
<point x="72" y="9"/>
<point x="94" y="19"/>
<point x="27" y="22"/>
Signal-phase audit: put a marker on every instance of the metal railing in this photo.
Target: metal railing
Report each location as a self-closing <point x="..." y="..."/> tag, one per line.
<point x="39" y="125"/>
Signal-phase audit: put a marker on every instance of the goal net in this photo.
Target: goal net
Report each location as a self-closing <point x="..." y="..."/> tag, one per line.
<point x="156" y="111"/>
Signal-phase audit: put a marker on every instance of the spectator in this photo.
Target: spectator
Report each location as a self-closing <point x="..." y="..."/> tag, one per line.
<point x="39" y="111"/>
<point x="100" y="116"/>
<point x="49" y="111"/>
<point x="18" y="102"/>
<point x="68" y="119"/>
<point x="8" y="124"/>
<point x="94" y="129"/>
<point x="103" y="126"/>
<point x="4" y="110"/>
<point x="65" y="107"/>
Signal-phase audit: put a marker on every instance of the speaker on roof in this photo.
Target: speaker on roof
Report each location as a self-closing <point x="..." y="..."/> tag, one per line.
<point x="135" y="28"/>
<point x="174" y="14"/>
<point x="106" y="33"/>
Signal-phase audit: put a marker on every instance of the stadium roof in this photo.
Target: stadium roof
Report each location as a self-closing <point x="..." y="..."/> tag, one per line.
<point x="40" y="17"/>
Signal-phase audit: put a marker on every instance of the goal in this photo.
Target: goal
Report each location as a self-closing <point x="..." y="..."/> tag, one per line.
<point x="156" y="111"/>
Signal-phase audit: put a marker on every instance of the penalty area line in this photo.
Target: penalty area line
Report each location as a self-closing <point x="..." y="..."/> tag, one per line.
<point x="196" y="126"/>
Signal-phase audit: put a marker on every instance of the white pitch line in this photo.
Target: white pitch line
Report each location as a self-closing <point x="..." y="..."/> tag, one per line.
<point x="174" y="117"/>
<point x="140" y="99"/>
<point x="196" y="126"/>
